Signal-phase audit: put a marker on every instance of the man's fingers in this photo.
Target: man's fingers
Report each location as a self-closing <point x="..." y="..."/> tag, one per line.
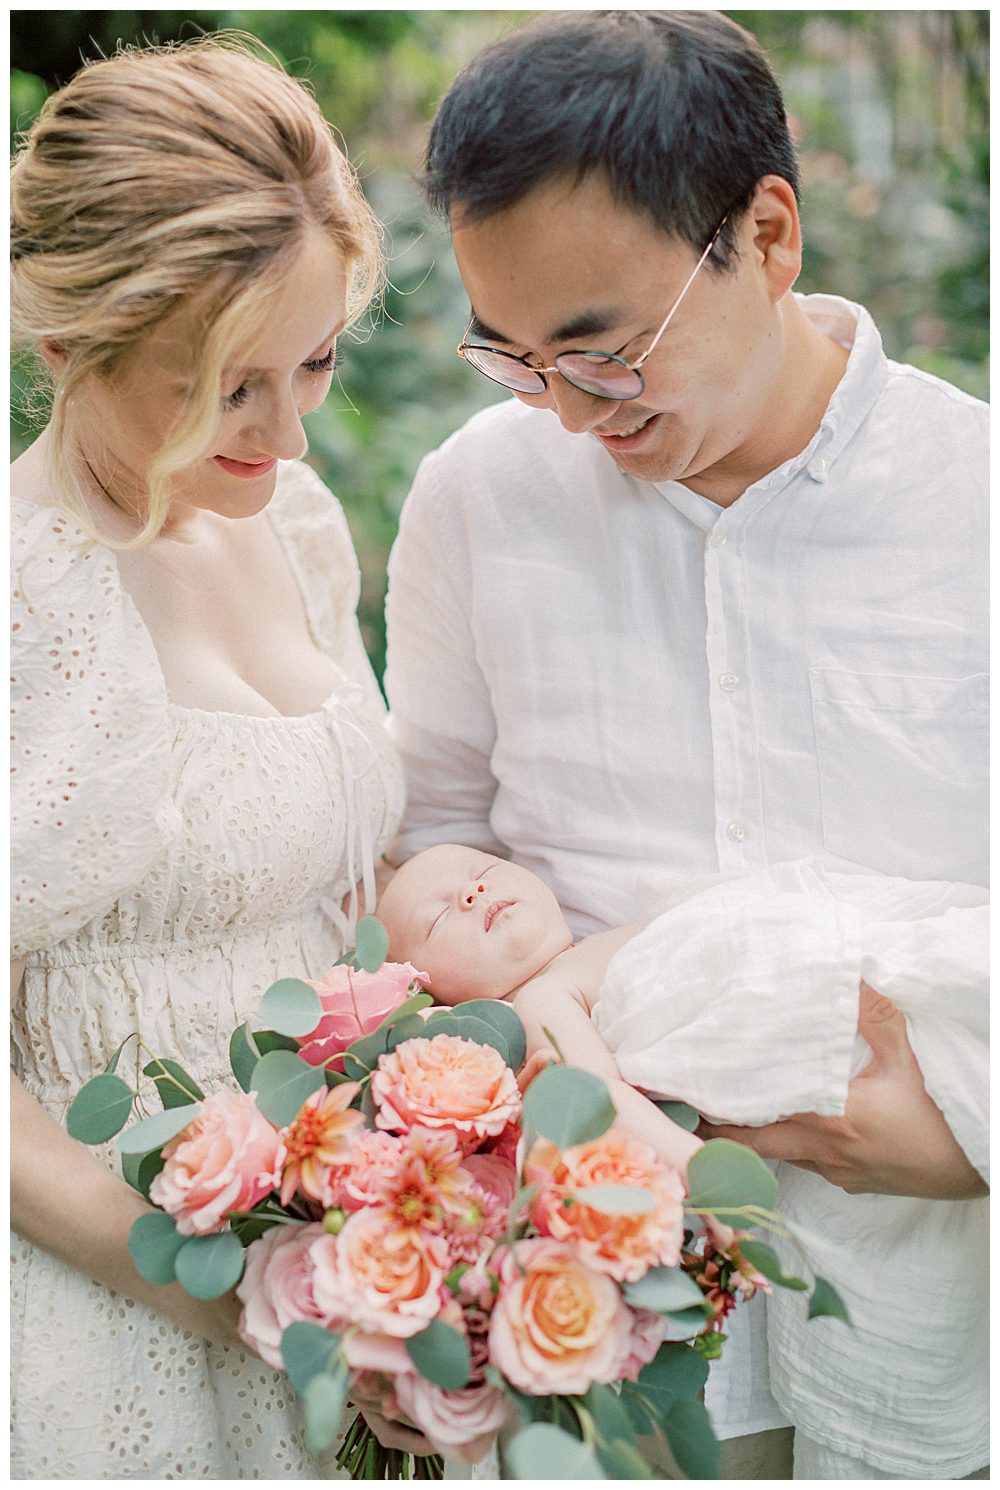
<point x="882" y="1025"/>
<point x="776" y="1141"/>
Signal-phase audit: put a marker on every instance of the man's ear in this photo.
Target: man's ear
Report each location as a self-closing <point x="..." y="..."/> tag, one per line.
<point x="777" y="236"/>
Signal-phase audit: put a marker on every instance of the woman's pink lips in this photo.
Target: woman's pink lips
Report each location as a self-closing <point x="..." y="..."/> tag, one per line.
<point x="245" y="468"/>
<point x="494" y="910"/>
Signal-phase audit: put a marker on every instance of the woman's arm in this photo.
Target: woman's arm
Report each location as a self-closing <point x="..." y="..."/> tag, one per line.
<point x="63" y="1199"/>
<point x="554" y="1011"/>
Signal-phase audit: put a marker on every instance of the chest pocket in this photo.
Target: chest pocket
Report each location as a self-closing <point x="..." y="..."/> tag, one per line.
<point x="903" y="771"/>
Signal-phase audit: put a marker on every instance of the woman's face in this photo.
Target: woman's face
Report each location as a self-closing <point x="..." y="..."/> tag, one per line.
<point x="284" y="374"/>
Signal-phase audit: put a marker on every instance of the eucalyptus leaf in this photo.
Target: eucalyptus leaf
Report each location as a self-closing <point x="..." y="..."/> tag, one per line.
<point x="622" y="1461"/>
<point x="763" y="1257"/>
<point x="674" y="1374"/>
<point x="209" y="1266"/>
<point x="112" y="1065"/>
<point x="371" y="945"/>
<point x="568" y="1106"/>
<point x="282" y="1082"/>
<point x="409" y="1006"/>
<point x="153" y="1132"/>
<point x="681" y="1113"/>
<point x="467" y="1027"/>
<point x="154" y="1242"/>
<point x="324" y="1402"/>
<point x="307" y="1350"/>
<point x="140" y="1170"/>
<point x="441" y="1354"/>
<point x="243" y="1055"/>
<point x="361" y="1056"/>
<point x="175" y="1086"/>
<point x="291" y="1007"/>
<point x="411" y="1028"/>
<point x="617" y="1200"/>
<point x="503" y="1018"/>
<point x="268" y="1040"/>
<point x="663" y="1290"/>
<point x="684" y="1324"/>
<point x="825" y="1303"/>
<point x="542" y="1451"/>
<point x="100" y="1109"/>
<point x="724" y="1177"/>
<point x="687" y="1428"/>
<point x="605" y="1407"/>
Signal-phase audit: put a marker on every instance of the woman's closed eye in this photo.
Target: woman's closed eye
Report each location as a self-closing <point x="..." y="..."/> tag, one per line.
<point x="315" y="366"/>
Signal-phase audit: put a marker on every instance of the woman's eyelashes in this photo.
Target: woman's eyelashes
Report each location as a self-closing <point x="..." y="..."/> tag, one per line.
<point x="315" y="366"/>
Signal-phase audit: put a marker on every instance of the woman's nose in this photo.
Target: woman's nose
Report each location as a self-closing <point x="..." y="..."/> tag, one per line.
<point x="280" y="428"/>
<point x="472" y="894"/>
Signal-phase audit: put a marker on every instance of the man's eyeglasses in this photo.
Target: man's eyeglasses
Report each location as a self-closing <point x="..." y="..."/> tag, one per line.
<point x="603" y="374"/>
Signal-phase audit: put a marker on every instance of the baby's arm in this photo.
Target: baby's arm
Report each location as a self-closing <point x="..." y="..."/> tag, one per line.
<point x="552" y="1005"/>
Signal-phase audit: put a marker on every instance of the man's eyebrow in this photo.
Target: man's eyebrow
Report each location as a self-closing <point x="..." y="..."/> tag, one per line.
<point x="587" y="323"/>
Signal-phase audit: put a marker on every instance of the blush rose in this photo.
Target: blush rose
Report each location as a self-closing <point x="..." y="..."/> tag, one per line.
<point x="276" y="1289"/>
<point x="446" y="1082"/>
<point x="226" y="1159"/>
<point x="354" y="1003"/>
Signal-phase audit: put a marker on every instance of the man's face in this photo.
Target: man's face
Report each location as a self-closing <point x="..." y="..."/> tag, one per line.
<point x="569" y="268"/>
<point x="478" y="926"/>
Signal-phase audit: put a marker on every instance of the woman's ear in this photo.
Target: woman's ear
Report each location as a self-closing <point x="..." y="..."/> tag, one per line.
<point x="54" y="354"/>
<point x="777" y="235"/>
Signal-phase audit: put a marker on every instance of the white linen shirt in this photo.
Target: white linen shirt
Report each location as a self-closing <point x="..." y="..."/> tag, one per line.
<point x="599" y="675"/>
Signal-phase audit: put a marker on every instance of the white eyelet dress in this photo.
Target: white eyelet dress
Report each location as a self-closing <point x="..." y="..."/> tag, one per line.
<point x="168" y="865"/>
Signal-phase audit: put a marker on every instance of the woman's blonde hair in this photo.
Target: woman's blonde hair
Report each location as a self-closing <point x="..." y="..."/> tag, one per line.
<point x="161" y="177"/>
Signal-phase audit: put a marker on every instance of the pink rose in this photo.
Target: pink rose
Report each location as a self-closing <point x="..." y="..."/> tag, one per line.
<point x="624" y="1247"/>
<point x="464" y="1421"/>
<point x="556" y="1326"/>
<point x="387" y="1277"/>
<point x="226" y="1159"/>
<point x="648" y="1330"/>
<point x="493" y="1173"/>
<point x="354" y="1004"/>
<point x="445" y="1082"/>
<point x="276" y="1289"/>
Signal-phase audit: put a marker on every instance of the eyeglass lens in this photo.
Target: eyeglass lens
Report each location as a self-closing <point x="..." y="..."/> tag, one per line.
<point x="597" y="373"/>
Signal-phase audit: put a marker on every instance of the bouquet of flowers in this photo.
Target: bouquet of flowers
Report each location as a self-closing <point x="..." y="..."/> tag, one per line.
<point x="408" y="1230"/>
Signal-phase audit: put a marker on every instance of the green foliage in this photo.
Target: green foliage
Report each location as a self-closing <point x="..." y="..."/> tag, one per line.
<point x="175" y="1086"/>
<point x="371" y="944"/>
<point x="291" y="1007"/>
<point x="763" y="1257"/>
<point x="665" y="1290"/>
<point x="688" y="1430"/>
<point x="283" y="1081"/>
<point x="140" y="1170"/>
<point x="726" y="1177"/>
<point x="154" y="1243"/>
<point x="681" y="1113"/>
<point x="153" y="1132"/>
<point x="324" y="1400"/>
<point x="568" y="1106"/>
<point x="468" y="1027"/>
<point x="307" y="1350"/>
<point x="503" y="1019"/>
<point x="825" y="1302"/>
<point x="100" y="1109"/>
<point x="617" y="1200"/>
<point x="441" y="1354"/>
<point x="209" y="1266"/>
<point x="541" y="1451"/>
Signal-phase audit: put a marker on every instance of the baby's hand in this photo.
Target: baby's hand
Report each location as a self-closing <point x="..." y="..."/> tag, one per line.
<point x="534" y="1066"/>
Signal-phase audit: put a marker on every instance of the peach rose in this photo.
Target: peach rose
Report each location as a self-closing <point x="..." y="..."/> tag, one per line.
<point x="226" y="1159"/>
<point x="624" y="1247"/>
<point x="387" y="1277"/>
<point x="276" y="1289"/>
<point x="354" y="1003"/>
<point x="445" y="1082"/>
<point x="556" y="1326"/>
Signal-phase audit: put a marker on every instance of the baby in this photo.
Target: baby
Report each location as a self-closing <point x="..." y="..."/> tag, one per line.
<point x="483" y="927"/>
<point x="739" y="995"/>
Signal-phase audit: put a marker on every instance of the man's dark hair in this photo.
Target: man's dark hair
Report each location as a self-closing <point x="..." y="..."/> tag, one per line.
<point x="679" y="109"/>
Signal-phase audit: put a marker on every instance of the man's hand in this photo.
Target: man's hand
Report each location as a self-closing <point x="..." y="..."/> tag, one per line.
<point x="891" y="1140"/>
<point x="396" y="1435"/>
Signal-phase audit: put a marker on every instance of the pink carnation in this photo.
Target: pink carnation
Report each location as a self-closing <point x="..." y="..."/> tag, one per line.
<point x="354" y="1004"/>
<point x="556" y="1326"/>
<point x="446" y="1082"/>
<point x="276" y="1289"/>
<point x="388" y="1277"/>
<point x="226" y="1159"/>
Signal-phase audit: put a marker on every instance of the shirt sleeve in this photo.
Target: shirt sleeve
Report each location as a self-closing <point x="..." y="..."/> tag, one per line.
<point x="91" y="805"/>
<point x="441" y="715"/>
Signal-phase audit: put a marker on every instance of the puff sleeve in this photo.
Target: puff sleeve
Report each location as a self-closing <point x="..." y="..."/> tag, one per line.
<point x="91" y="807"/>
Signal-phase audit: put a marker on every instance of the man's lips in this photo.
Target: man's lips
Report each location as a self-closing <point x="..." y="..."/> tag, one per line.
<point x="245" y="468"/>
<point x="494" y="910"/>
<point x="628" y="442"/>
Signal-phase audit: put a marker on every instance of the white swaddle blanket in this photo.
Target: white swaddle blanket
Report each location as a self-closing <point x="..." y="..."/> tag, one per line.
<point x="741" y="997"/>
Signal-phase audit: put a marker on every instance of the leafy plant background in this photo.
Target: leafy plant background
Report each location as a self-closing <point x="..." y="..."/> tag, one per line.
<point x="889" y="110"/>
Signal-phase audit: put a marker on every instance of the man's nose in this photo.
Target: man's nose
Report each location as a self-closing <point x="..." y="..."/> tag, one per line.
<point x="577" y="411"/>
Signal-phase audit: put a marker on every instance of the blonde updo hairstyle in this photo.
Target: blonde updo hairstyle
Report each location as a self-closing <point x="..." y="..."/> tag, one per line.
<point x="163" y="177"/>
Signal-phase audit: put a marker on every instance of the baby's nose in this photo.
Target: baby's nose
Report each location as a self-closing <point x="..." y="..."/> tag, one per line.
<point x="469" y="898"/>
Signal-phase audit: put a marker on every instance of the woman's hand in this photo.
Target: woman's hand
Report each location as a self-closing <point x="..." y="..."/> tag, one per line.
<point x="891" y="1140"/>
<point x="396" y="1435"/>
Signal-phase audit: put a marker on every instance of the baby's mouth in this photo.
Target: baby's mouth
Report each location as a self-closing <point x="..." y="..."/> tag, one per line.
<point x="494" y="910"/>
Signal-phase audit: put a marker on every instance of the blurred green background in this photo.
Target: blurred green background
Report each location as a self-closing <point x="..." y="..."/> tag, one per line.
<point x="889" y="110"/>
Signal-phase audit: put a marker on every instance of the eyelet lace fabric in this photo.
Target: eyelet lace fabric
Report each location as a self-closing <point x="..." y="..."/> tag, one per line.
<point x="167" y="865"/>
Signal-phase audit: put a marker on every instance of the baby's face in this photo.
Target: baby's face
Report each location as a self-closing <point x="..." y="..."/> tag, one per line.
<point x="478" y="926"/>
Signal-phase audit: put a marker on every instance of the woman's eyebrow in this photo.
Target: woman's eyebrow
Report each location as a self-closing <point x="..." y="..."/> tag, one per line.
<point x="256" y="372"/>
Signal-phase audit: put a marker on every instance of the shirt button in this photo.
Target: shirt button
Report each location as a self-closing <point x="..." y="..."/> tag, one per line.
<point x="730" y="682"/>
<point x="716" y="539"/>
<point x="737" y="831"/>
<point x="817" y="468"/>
